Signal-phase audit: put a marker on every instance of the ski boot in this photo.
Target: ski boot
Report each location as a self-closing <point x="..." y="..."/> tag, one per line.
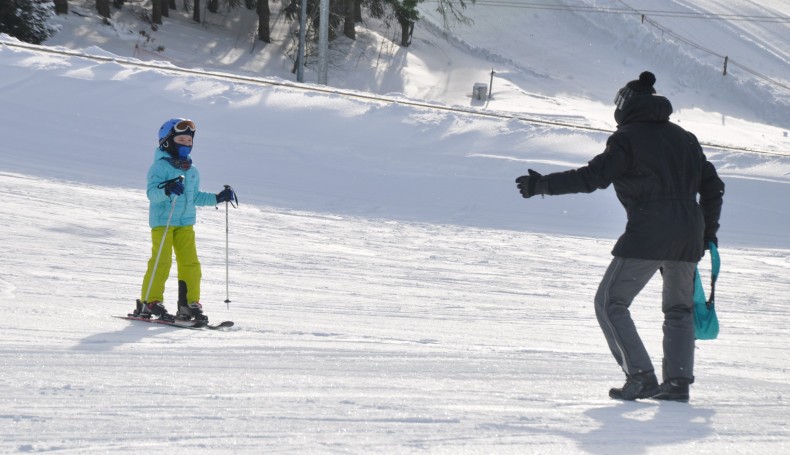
<point x="190" y="311"/>
<point x="155" y="308"/>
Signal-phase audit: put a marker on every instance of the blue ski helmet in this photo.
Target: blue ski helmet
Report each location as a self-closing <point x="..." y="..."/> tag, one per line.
<point x="176" y="127"/>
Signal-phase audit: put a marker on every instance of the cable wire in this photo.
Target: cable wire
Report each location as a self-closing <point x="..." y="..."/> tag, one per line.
<point x="613" y="10"/>
<point x="687" y="41"/>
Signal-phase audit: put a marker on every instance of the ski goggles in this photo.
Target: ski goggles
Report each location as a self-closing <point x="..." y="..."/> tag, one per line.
<point x="622" y="96"/>
<point x="183" y="126"/>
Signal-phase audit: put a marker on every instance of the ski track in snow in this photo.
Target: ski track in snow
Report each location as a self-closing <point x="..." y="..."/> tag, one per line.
<point x="381" y="303"/>
<point x="356" y="336"/>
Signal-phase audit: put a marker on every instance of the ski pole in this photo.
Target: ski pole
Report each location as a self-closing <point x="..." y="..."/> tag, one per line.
<point x="164" y="236"/>
<point x="227" y="256"/>
<point x="227" y="235"/>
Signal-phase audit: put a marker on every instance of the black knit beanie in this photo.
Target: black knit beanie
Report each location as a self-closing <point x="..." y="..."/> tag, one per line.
<point x="641" y="86"/>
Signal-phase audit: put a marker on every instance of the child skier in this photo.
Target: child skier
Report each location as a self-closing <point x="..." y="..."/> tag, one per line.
<point x="174" y="192"/>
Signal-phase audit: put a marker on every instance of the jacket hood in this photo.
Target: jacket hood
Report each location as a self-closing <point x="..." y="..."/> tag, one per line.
<point x="644" y="109"/>
<point x="159" y="154"/>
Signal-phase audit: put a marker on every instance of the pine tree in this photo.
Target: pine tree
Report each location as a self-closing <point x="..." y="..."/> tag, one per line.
<point x="454" y="9"/>
<point x="26" y="20"/>
<point x="407" y="15"/>
<point x="405" y="12"/>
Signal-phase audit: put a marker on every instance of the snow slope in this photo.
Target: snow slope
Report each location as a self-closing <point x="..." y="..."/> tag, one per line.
<point x="356" y="336"/>
<point x="392" y="291"/>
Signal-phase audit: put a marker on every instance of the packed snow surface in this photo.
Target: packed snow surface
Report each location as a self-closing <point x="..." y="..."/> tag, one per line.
<point x="392" y="292"/>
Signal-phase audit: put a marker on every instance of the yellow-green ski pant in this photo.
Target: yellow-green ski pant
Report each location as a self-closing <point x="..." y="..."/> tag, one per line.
<point x="180" y="239"/>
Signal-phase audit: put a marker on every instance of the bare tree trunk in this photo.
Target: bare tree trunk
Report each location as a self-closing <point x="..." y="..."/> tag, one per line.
<point x="357" y="10"/>
<point x="156" y="12"/>
<point x="349" y="22"/>
<point x="196" y="11"/>
<point x="407" y="28"/>
<point x="213" y="6"/>
<point x="103" y="8"/>
<point x="264" y="15"/>
<point x="61" y="7"/>
<point x="164" y="8"/>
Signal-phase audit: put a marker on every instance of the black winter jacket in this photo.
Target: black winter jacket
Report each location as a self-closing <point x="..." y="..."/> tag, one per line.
<point x="657" y="169"/>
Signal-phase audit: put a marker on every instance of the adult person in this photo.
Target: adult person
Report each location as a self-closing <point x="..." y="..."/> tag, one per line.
<point x="658" y="170"/>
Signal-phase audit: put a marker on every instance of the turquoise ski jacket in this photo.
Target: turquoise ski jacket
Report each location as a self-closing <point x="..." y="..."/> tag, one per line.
<point x="184" y="213"/>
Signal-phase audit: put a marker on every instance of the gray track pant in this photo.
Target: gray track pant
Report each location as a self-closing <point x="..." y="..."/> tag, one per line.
<point x="624" y="279"/>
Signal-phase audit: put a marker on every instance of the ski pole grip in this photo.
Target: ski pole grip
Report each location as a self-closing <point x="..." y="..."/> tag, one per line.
<point x="235" y="200"/>
<point x="180" y="178"/>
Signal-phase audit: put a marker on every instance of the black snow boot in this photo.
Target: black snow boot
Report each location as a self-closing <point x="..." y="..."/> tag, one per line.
<point x="642" y="385"/>
<point x="674" y="390"/>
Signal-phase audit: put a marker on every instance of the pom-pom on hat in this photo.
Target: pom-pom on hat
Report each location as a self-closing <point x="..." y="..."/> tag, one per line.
<point x="641" y="86"/>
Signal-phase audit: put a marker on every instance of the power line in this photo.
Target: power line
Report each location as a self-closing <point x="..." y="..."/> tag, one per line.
<point x="687" y="41"/>
<point x="630" y="11"/>
<point x="622" y="11"/>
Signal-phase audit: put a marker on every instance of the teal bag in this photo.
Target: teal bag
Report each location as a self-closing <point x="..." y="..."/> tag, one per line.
<point x="706" y="324"/>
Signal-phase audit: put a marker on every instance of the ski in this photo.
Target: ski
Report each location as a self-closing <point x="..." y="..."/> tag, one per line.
<point x="195" y="325"/>
<point x="220" y="326"/>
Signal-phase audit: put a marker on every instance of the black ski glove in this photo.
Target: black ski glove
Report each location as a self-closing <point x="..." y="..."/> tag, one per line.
<point x="226" y="195"/>
<point x="532" y="184"/>
<point x="174" y="187"/>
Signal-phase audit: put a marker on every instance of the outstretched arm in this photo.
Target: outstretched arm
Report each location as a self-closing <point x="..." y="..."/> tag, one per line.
<point x="599" y="173"/>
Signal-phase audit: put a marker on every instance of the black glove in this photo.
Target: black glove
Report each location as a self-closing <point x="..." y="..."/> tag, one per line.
<point x="174" y="187"/>
<point x="226" y="195"/>
<point x="711" y="239"/>
<point x="532" y="184"/>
